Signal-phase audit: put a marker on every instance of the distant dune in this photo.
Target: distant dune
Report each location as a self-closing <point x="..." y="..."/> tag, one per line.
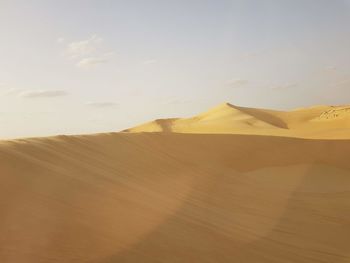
<point x="318" y="122"/>
<point x="233" y="184"/>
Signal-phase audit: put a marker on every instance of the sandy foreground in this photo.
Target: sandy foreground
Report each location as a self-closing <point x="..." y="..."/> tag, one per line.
<point x="230" y="185"/>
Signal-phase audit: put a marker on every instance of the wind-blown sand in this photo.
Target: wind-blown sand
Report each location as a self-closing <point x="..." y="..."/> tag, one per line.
<point x="230" y="185"/>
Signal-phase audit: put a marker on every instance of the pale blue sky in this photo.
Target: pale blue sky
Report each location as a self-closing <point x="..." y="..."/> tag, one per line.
<point x="93" y="66"/>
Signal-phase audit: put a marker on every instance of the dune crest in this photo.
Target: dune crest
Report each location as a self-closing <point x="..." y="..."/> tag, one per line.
<point x="336" y="112"/>
<point x="229" y="119"/>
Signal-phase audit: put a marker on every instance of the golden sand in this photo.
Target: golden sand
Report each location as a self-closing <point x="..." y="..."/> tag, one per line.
<point x="233" y="184"/>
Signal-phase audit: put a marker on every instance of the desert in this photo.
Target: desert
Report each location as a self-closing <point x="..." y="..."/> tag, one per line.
<point x="175" y="131"/>
<point x="267" y="187"/>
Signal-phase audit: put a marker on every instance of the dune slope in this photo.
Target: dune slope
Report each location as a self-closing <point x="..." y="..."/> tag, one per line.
<point x="172" y="197"/>
<point x="318" y="122"/>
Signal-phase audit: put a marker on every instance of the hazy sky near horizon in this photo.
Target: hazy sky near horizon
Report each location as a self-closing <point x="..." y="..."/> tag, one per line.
<point x="88" y="66"/>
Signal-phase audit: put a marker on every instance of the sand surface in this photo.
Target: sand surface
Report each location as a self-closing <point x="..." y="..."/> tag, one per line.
<point x="317" y="122"/>
<point x="265" y="186"/>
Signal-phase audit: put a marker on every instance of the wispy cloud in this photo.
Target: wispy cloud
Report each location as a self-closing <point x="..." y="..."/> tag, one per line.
<point x="87" y="53"/>
<point x="102" y="104"/>
<point x="60" y="40"/>
<point x="91" y="62"/>
<point x="11" y="91"/>
<point x="237" y="83"/>
<point x="83" y="47"/>
<point x="43" y="93"/>
<point x="283" y="87"/>
<point x="149" y="61"/>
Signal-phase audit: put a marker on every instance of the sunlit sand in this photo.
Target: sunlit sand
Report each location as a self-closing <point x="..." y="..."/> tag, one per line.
<point x="232" y="184"/>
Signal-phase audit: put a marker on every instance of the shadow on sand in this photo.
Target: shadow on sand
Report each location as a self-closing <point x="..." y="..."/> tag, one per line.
<point x="309" y="229"/>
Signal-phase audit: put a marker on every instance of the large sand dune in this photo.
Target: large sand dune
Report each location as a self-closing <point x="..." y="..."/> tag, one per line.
<point x="199" y="195"/>
<point x="317" y="122"/>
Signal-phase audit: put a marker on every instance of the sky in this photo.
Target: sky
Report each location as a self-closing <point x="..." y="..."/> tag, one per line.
<point x="84" y="66"/>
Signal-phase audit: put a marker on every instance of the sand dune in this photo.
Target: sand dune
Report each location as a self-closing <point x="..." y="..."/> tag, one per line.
<point x="317" y="122"/>
<point x="184" y="196"/>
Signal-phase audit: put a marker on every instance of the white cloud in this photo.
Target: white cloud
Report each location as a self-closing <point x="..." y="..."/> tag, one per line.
<point x="282" y="87"/>
<point x="237" y="83"/>
<point x="12" y="91"/>
<point x="88" y="53"/>
<point x="104" y="104"/>
<point x="91" y="62"/>
<point x="60" y="40"/>
<point x="43" y="93"/>
<point x="149" y="61"/>
<point x="84" y="47"/>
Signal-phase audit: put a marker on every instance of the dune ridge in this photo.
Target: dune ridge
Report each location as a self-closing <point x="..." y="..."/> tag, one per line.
<point x="229" y="119"/>
<point x="175" y="196"/>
